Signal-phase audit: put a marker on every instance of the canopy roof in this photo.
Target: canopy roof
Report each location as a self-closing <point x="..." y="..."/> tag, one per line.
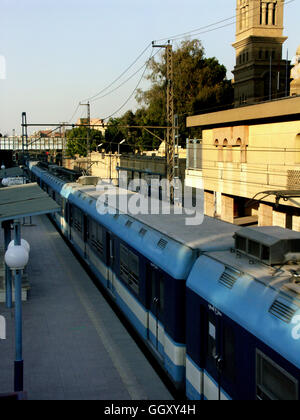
<point x="11" y="172"/>
<point x="25" y="200"/>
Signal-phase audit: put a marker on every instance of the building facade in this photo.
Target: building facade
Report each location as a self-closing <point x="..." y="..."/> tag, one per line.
<point x="244" y="152"/>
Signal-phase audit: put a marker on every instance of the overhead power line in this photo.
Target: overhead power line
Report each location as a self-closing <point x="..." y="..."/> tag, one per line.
<point x="135" y="89"/>
<point x="204" y="29"/>
<point x="198" y="31"/>
<point x="121" y="75"/>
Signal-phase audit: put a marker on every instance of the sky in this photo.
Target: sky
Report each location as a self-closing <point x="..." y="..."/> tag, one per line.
<point x="58" y="53"/>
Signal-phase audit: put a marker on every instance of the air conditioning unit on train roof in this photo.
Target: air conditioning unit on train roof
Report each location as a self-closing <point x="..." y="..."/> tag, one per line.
<point x="271" y="245"/>
<point x="88" y="180"/>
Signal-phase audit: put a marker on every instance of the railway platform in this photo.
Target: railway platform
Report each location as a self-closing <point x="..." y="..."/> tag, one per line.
<point x="74" y="345"/>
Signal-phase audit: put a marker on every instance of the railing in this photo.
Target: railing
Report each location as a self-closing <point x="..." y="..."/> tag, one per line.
<point x="49" y="143"/>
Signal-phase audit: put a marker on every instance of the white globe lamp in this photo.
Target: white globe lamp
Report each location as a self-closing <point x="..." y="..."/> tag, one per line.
<point x="16" y="257"/>
<point x="24" y="244"/>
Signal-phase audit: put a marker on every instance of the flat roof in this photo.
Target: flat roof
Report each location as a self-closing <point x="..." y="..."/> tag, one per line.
<point x="283" y="109"/>
<point x="25" y="200"/>
<point x="11" y="172"/>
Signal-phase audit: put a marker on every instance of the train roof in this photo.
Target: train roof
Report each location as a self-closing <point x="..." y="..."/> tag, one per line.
<point x="212" y="234"/>
<point x="262" y="299"/>
<point x="164" y="239"/>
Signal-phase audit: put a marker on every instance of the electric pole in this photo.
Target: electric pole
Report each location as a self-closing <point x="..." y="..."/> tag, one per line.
<point x="170" y="140"/>
<point x="88" y="146"/>
<point x="63" y="140"/>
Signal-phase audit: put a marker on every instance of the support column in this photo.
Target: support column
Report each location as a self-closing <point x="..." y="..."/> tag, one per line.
<point x="18" y="377"/>
<point x="227" y="209"/>
<point x="209" y="204"/>
<point x="265" y="215"/>
<point x="279" y="219"/>
<point x="8" y="275"/>
<point x="264" y="13"/>
<point x="296" y="223"/>
<point x="271" y="8"/>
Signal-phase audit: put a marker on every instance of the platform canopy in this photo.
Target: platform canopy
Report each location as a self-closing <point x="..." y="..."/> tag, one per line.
<point x="25" y="200"/>
<point x="11" y="172"/>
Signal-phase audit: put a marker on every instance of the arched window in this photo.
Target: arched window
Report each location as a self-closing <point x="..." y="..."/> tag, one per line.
<point x="220" y="150"/>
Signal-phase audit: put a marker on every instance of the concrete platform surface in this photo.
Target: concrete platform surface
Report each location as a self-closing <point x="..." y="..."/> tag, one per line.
<point x="74" y="346"/>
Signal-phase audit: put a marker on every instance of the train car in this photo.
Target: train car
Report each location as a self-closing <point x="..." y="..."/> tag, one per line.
<point x="143" y="261"/>
<point x="243" y="319"/>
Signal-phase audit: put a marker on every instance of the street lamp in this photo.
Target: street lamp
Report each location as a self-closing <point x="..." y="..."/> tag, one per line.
<point x="16" y="258"/>
<point x="99" y="145"/>
<point x="24" y="244"/>
<point x="121" y="142"/>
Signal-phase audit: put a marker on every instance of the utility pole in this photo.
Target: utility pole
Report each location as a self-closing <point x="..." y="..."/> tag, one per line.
<point x="170" y="139"/>
<point x="88" y="146"/>
<point x="24" y="141"/>
<point x="63" y="140"/>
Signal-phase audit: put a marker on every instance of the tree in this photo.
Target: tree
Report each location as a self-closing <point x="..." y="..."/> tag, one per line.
<point x="77" y="140"/>
<point x="200" y="85"/>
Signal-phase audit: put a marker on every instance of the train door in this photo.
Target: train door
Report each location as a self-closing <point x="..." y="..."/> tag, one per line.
<point x="156" y="304"/>
<point x="86" y="235"/>
<point x="69" y="219"/>
<point x="110" y="261"/>
<point x="219" y="357"/>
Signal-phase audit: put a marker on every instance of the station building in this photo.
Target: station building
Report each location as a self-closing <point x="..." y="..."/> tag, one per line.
<point x="254" y="147"/>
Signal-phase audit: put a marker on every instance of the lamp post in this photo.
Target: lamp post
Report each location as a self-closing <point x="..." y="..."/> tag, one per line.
<point x="16" y="258"/>
<point x="121" y="142"/>
<point x="99" y="145"/>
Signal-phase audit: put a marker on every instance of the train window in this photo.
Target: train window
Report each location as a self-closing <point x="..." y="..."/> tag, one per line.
<point x="162" y="295"/>
<point x="212" y="338"/>
<point x="129" y="268"/>
<point x="229" y="353"/>
<point x="96" y="235"/>
<point x="273" y="382"/>
<point x="77" y="219"/>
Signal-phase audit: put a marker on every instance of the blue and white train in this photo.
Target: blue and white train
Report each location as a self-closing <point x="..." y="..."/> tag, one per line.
<point x="209" y="301"/>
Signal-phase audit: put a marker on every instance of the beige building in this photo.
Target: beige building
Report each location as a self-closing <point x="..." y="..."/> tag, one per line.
<point x="248" y="154"/>
<point x="108" y="165"/>
<point x="244" y="152"/>
<point x="95" y="123"/>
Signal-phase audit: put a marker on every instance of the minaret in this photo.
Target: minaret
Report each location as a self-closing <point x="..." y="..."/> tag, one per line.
<point x="260" y="72"/>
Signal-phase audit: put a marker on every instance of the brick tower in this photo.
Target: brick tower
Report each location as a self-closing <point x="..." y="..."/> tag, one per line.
<point x="260" y="72"/>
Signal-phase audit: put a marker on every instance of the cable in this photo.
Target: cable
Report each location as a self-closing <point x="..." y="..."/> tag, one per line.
<point x="119" y="77"/>
<point x="125" y="103"/>
<point x="202" y="30"/>
<point x="69" y="121"/>
<point x="127" y="80"/>
<point x="118" y="87"/>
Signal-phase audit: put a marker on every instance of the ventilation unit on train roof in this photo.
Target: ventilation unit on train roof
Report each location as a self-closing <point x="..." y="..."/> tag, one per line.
<point x="270" y="244"/>
<point x="88" y="180"/>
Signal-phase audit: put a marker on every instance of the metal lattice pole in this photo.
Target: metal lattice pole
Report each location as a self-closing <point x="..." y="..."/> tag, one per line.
<point x="170" y="138"/>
